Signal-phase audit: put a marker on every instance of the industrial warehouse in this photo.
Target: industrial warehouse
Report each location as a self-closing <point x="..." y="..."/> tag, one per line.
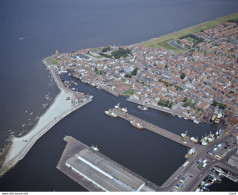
<point x="96" y="172"/>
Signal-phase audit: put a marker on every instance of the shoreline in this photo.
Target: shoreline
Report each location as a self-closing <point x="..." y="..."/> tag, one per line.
<point x="60" y="108"/>
<point x="156" y="41"/>
<point x="173" y="111"/>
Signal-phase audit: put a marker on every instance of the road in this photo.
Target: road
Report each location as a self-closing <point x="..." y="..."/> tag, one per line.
<point x="190" y="176"/>
<point x="197" y="175"/>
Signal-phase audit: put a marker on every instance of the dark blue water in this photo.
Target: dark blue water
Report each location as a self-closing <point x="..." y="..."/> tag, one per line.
<point x="25" y="85"/>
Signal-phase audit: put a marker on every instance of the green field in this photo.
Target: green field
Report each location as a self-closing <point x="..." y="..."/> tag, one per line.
<point x="163" y="41"/>
<point x="129" y="92"/>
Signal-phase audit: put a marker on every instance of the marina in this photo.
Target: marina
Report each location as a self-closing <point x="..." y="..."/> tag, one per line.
<point x="155" y="129"/>
<point x="216" y="175"/>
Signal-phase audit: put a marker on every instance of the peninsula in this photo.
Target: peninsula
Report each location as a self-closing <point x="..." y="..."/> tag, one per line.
<point x="64" y="103"/>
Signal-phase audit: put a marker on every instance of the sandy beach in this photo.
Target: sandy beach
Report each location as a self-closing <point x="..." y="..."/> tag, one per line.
<point x="58" y="110"/>
<point x="63" y="104"/>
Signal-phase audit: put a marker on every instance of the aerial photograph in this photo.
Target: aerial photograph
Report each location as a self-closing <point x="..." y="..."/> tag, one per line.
<point x="118" y="96"/>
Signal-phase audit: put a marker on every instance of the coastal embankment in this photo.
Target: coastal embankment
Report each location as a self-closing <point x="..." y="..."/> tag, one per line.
<point x="64" y="103"/>
<point x="164" y="41"/>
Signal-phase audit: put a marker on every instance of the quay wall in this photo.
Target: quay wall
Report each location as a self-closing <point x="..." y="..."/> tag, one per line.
<point x="73" y="147"/>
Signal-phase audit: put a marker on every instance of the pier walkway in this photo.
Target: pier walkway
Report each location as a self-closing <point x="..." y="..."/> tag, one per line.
<point x="156" y="129"/>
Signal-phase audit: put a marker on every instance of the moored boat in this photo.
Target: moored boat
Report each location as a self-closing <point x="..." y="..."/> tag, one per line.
<point x="95" y="148"/>
<point x="194" y="140"/>
<point x="136" y="124"/>
<point x="195" y="121"/>
<point x="142" y="107"/>
<point x="184" y="134"/>
<point x="124" y="109"/>
<point x="117" y="106"/>
<point x="110" y="113"/>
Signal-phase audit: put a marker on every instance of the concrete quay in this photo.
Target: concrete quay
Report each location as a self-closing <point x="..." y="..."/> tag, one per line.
<point x="96" y="172"/>
<point x="156" y="129"/>
<point x="174" y="111"/>
<point x="107" y="89"/>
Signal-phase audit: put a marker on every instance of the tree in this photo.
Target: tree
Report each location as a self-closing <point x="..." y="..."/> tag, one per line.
<point x="121" y="53"/>
<point x="185" y="99"/>
<point x="105" y="49"/>
<point x="182" y="76"/>
<point x="214" y="103"/>
<point x="134" y="72"/>
<point x="222" y="106"/>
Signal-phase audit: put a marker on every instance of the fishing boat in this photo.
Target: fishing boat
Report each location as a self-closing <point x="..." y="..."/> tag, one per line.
<point x="110" y="113"/>
<point x="195" y="121"/>
<point x="142" y="107"/>
<point x="184" y="134"/>
<point x="136" y="124"/>
<point x="117" y="106"/>
<point x="194" y="139"/>
<point x="95" y="148"/>
<point x="124" y="109"/>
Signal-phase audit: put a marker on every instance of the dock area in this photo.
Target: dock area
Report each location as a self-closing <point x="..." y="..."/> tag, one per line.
<point x="158" y="130"/>
<point x="107" y="89"/>
<point x="96" y="172"/>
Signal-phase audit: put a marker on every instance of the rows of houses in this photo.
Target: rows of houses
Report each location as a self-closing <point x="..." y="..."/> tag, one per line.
<point x="154" y="74"/>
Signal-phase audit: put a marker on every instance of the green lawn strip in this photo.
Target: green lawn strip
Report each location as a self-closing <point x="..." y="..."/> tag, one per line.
<point x="128" y="92"/>
<point x="163" y="41"/>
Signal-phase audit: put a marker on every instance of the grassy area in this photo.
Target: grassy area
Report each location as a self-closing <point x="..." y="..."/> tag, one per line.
<point x="189" y="39"/>
<point x="163" y="41"/>
<point x="166" y="45"/>
<point x="51" y="60"/>
<point x="94" y="55"/>
<point x="128" y="92"/>
<point x="95" y="49"/>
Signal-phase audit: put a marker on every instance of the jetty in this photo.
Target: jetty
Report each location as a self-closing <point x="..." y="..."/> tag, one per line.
<point x="66" y="102"/>
<point x="96" y="172"/>
<point x="158" y="130"/>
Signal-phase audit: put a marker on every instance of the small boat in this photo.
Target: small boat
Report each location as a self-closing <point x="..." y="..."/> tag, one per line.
<point x="195" y="121"/>
<point x="142" y="107"/>
<point x="124" y="109"/>
<point x="184" y="134"/>
<point x="194" y="140"/>
<point x="136" y="124"/>
<point x="95" y="148"/>
<point x="211" y="135"/>
<point x="117" y="106"/>
<point x="110" y="113"/>
<point x="74" y="83"/>
<point x="208" y="183"/>
<point x="210" y="139"/>
<point x="92" y="84"/>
